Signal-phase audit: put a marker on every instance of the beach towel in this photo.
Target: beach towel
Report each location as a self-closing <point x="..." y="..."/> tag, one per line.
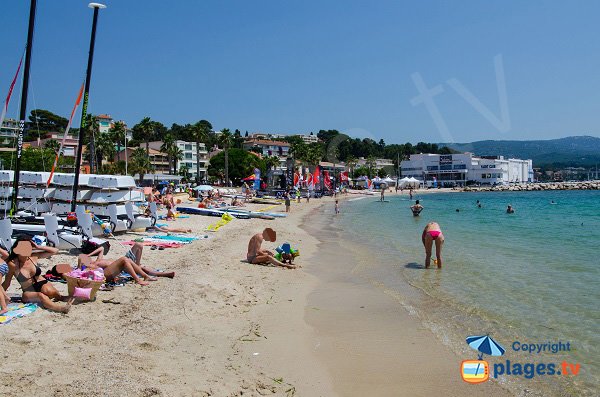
<point x="17" y="310"/>
<point x="175" y="237"/>
<point x="158" y="243"/>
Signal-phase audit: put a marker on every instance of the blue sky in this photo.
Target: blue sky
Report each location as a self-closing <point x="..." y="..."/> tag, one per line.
<point x="296" y="67"/>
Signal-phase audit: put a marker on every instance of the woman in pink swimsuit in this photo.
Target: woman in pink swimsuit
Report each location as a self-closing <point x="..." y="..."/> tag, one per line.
<point x="432" y="233"/>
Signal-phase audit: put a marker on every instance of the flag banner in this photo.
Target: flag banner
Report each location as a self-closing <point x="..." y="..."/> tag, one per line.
<point x="10" y="90"/>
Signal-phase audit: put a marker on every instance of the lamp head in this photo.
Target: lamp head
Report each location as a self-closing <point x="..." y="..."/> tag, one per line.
<point x="96" y="5"/>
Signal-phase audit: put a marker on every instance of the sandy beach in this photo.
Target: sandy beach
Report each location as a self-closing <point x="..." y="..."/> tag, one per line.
<point x="223" y="327"/>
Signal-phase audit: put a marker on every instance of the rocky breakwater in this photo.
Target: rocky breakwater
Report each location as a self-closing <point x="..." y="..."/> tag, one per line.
<point x="589" y="185"/>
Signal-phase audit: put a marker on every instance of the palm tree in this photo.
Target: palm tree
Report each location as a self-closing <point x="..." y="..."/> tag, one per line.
<point x="370" y="163"/>
<point x="52" y="144"/>
<point x="118" y="134"/>
<point x="271" y="162"/>
<point x="176" y="154"/>
<point x="92" y="131"/>
<point x="168" y="143"/>
<point x="146" y="128"/>
<point x="200" y="132"/>
<point x="105" y="148"/>
<point x="140" y="163"/>
<point x="299" y="150"/>
<point x="351" y="162"/>
<point x="225" y="141"/>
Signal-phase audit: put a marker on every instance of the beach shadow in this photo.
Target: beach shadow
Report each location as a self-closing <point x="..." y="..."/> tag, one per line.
<point x="266" y="264"/>
<point x="414" y="265"/>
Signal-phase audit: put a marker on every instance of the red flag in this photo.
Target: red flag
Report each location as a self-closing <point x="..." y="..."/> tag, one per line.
<point x="316" y="176"/>
<point x="327" y="180"/>
<point x="62" y="143"/>
<point x="344" y="176"/>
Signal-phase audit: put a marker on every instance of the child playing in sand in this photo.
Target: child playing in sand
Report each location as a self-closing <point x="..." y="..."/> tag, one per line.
<point x="258" y="255"/>
<point x="170" y="214"/>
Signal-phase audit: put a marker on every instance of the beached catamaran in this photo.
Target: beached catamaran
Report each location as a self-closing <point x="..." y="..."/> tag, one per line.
<point x="34" y="194"/>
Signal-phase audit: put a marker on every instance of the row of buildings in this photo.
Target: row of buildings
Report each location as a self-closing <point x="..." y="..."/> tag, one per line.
<point x="431" y="169"/>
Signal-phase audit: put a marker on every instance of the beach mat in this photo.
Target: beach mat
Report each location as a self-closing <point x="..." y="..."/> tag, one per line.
<point x="17" y="310"/>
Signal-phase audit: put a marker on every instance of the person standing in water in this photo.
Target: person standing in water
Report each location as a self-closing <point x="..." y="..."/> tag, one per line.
<point x="432" y="233"/>
<point x="416" y="209"/>
<point x="510" y="209"/>
<point x="410" y="193"/>
<point x="382" y="198"/>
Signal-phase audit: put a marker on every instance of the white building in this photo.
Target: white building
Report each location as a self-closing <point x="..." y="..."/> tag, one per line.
<point x="9" y="128"/>
<point x="189" y="156"/>
<point x="463" y="168"/>
<point x="308" y="139"/>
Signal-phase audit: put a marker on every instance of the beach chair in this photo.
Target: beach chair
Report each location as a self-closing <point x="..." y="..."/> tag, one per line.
<point x="6" y="233"/>
<point x="84" y="220"/>
<point x="59" y="237"/>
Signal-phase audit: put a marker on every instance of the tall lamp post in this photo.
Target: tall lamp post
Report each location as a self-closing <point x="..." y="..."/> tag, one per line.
<point x="88" y="76"/>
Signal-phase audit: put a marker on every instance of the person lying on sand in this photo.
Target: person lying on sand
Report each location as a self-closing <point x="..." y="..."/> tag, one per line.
<point x="165" y="229"/>
<point x="36" y="288"/>
<point x="135" y="254"/>
<point x="256" y="255"/>
<point x="112" y="268"/>
<point x="431" y="233"/>
<point x="131" y="263"/>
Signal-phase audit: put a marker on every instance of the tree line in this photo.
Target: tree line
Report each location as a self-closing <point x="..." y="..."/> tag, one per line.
<point x="332" y="146"/>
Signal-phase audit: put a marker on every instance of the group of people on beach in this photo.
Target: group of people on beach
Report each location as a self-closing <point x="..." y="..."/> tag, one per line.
<point x="22" y="263"/>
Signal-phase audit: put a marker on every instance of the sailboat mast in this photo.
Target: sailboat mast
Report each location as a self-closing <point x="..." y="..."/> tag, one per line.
<point x="88" y="76"/>
<point x="23" y="108"/>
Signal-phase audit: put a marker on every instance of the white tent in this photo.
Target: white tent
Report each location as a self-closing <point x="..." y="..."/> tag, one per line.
<point x="408" y="182"/>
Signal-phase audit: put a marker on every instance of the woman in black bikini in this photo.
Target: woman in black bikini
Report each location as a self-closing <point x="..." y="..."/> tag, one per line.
<point x="36" y="288"/>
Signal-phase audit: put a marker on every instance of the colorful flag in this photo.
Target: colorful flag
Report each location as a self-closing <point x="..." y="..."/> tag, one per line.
<point x="327" y="180"/>
<point x="10" y="90"/>
<point x="62" y="143"/>
<point x="317" y="177"/>
<point x="344" y="176"/>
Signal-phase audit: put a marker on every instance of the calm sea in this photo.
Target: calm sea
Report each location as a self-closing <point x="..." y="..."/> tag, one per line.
<point x="532" y="276"/>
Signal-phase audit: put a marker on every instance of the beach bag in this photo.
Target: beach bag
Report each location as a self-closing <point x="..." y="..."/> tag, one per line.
<point x="93" y="244"/>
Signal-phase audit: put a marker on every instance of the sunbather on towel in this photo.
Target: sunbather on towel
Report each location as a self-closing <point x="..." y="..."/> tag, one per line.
<point x="112" y="268"/>
<point x="135" y="254"/>
<point x="257" y="255"/>
<point x="131" y="263"/>
<point x="36" y="288"/>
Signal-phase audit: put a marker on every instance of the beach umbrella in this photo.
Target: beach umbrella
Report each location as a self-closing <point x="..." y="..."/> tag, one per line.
<point x="249" y="178"/>
<point x="485" y="345"/>
<point x="203" y="188"/>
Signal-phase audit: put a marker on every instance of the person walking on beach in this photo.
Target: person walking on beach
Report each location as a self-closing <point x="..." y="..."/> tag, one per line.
<point x="432" y="233"/>
<point x="286" y="196"/>
<point x="337" y="207"/>
<point x="417" y="208"/>
<point x="257" y="255"/>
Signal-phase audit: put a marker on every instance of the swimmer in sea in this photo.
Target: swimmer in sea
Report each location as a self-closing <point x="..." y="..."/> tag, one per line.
<point x="510" y="209"/>
<point x="432" y="233"/>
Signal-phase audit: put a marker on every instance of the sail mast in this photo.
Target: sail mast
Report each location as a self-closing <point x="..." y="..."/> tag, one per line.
<point x="88" y="76"/>
<point x="23" y="108"/>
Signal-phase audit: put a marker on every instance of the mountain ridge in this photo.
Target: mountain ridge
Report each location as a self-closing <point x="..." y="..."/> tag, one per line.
<point x="572" y="151"/>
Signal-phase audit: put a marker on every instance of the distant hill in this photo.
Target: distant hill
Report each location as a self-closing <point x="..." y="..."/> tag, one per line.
<point x="573" y="151"/>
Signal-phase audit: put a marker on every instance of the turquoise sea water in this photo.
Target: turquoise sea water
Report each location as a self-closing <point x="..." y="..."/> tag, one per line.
<point x="532" y="276"/>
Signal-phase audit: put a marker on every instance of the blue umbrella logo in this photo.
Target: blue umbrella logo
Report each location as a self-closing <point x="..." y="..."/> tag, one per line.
<point x="485" y="345"/>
